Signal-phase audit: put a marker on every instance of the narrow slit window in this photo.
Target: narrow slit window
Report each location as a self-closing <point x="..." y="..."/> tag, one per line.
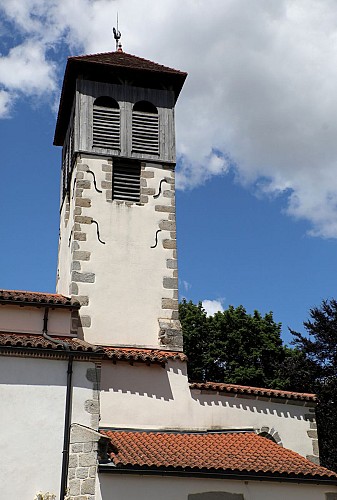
<point x="126" y="181"/>
<point x="106" y="123"/>
<point x="145" y="128"/>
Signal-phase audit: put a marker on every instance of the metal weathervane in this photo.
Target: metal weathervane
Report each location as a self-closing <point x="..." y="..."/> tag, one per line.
<point x="117" y="36"/>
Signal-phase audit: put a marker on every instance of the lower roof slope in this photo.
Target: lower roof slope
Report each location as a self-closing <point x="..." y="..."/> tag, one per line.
<point x="223" y="453"/>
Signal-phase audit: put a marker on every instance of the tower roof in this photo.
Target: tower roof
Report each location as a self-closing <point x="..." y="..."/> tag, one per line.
<point x="124" y="60"/>
<point x="112" y="67"/>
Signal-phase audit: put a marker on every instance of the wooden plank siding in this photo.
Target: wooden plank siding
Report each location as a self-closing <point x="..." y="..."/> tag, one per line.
<point x="126" y="96"/>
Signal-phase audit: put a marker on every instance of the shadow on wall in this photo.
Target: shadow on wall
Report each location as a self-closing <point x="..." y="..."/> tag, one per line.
<point x="42" y="372"/>
<point x="138" y="379"/>
<point x="255" y="406"/>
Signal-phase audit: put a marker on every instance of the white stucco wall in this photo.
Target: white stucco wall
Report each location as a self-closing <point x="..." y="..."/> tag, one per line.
<point x="152" y="397"/>
<point x="14" y="318"/>
<point x="128" y="486"/>
<point x="32" y="395"/>
<point x="125" y="300"/>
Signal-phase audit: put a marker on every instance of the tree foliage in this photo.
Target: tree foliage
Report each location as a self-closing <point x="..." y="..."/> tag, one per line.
<point x="319" y="352"/>
<point x="233" y="346"/>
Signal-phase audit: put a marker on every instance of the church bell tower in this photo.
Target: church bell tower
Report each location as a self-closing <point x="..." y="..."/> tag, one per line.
<point x="117" y="248"/>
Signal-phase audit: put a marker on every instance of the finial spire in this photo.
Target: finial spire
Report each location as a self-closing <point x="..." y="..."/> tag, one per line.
<point x="117" y="36"/>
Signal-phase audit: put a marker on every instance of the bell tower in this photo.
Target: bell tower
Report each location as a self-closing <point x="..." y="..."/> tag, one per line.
<point x="117" y="247"/>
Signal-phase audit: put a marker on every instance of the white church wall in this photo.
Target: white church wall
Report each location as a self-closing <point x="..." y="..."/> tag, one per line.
<point x="152" y="397"/>
<point x="30" y="320"/>
<point x="177" y="488"/>
<point x="32" y="397"/>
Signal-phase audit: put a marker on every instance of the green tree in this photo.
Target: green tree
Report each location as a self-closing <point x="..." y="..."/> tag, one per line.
<point x="233" y="346"/>
<point x="319" y="355"/>
<point x="196" y="334"/>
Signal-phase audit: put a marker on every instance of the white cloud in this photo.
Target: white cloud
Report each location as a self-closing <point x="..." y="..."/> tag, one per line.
<point x="212" y="306"/>
<point x="5" y="104"/>
<point x="25" y="69"/>
<point x="260" y="93"/>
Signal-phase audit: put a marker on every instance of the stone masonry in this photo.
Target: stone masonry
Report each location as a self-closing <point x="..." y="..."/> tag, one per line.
<point x="81" y="194"/>
<point x="170" y="333"/>
<point x="270" y="433"/>
<point x="83" y="463"/>
<point x="312" y="433"/>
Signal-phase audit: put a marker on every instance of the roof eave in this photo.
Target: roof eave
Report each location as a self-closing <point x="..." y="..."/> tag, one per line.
<point x="22" y="303"/>
<point x="214" y="474"/>
<point x="45" y="352"/>
<point x="274" y="395"/>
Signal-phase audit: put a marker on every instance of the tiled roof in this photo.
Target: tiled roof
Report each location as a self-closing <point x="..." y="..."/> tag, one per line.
<point x="38" y="342"/>
<point x="125" y="60"/>
<point x="143" y="355"/>
<point x="253" y="391"/>
<point x="36" y="299"/>
<point x="222" y="453"/>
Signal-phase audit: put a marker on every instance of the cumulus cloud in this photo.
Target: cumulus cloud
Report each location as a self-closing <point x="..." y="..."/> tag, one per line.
<point x="260" y="98"/>
<point x="212" y="306"/>
<point x="25" y="69"/>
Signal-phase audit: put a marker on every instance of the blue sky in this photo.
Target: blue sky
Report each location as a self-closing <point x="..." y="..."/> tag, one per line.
<point x="256" y="129"/>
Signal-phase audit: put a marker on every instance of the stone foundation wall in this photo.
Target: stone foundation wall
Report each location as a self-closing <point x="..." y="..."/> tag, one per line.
<point x="83" y="462"/>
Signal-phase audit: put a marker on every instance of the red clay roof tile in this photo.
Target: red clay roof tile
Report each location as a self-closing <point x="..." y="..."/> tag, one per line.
<point x="230" y="452"/>
<point x="142" y="355"/>
<point x="31" y="341"/>
<point x="125" y="60"/>
<point x="255" y="391"/>
<point x="37" y="299"/>
<point x="36" y="341"/>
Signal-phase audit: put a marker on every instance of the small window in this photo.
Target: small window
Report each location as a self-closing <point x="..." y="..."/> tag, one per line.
<point x="106" y="123"/>
<point x="145" y="128"/>
<point x="268" y="436"/>
<point x="126" y="181"/>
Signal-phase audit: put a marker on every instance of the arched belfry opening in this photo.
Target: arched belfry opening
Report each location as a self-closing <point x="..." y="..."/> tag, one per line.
<point x="106" y="123"/>
<point x="145" y="128"/>
<point x="145" y="107"/>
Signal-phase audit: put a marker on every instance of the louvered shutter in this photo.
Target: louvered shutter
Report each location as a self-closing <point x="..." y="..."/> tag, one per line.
<point x="106" y="127"/>
<point x="145" y="133"/>
<point x="126" y="182"/>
